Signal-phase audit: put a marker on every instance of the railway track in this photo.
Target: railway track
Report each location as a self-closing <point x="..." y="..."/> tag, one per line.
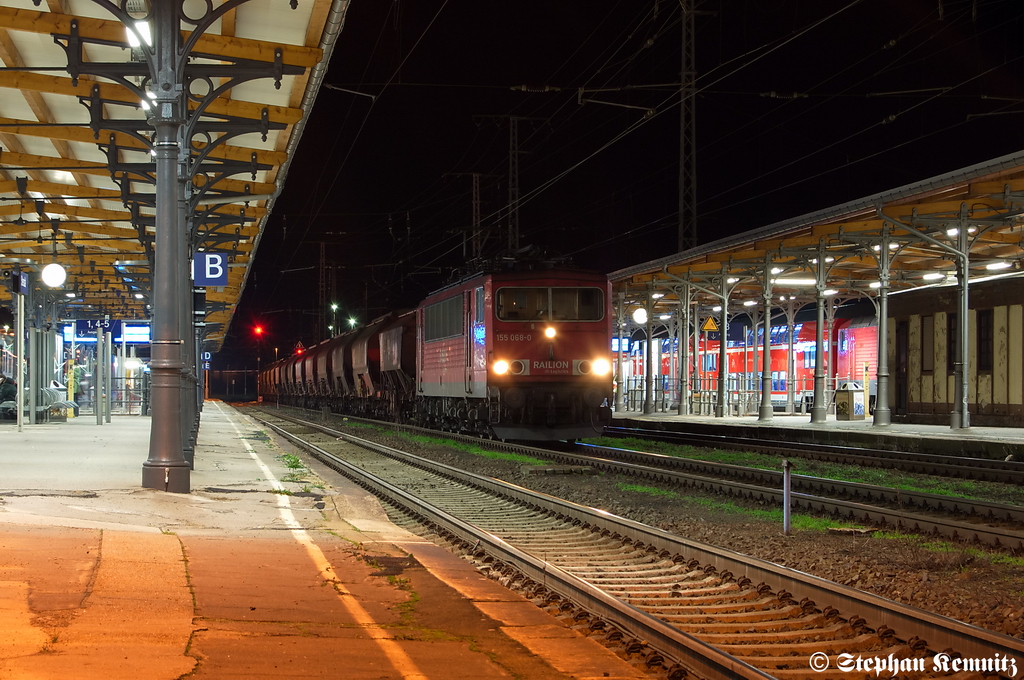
<point x="993" y="524"/>
<point x="985" y="469"/>
<point x="834" y="497"/>
<point x="679" y="603"/>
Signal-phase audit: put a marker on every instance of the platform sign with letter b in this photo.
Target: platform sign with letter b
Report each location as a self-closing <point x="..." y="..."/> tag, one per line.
<point x="210" y="269"/>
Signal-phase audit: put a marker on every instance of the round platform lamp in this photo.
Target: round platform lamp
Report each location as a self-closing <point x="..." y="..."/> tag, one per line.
<point x="54" y="275"/>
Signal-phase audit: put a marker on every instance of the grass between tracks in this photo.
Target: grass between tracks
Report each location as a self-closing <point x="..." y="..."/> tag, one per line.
<point x="459" y="446"/>
<point x="945" y="486"/>
<point x="948" y="554"/>
<point x="926" y="552"/>
<point x="805" y="522"/>
<point x="474" y="449"/>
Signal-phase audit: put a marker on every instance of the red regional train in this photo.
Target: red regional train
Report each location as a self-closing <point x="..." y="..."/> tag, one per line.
<point x="854" y="341"/>
<point x="515" y="354"/>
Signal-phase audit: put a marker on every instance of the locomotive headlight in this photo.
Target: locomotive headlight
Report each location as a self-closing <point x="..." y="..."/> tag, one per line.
<point x="601" y="367"/>
<point x="549" y="332"/>
<point x="501" y="367"/>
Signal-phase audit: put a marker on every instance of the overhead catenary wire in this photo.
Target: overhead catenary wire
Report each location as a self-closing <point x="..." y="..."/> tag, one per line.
<point x="669" y="104"/>
<point x="660" y="109"/>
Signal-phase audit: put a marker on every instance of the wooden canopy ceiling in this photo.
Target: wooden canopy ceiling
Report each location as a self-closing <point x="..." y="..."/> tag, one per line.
<point x="920" y="224"/>
<point x="75" y="147"/>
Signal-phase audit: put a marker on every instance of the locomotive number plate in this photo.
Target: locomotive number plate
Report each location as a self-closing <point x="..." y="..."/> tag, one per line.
<point x="514" y="337"/>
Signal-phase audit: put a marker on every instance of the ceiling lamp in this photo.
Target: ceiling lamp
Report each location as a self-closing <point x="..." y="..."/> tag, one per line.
<point x="54" y="275"/>
<point x="640" y="316"/>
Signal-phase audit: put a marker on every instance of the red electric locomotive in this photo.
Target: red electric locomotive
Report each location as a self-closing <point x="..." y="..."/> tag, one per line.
<point x="514" y="353"/>
<point x="522" y="354"/>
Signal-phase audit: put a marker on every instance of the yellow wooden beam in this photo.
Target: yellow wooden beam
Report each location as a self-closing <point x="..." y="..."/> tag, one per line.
<point x="85" y="135"/>
<point x="55" y="189"/>
<point x="21" y="80"/>
<point x="32" y="21"/>
<point x="25" y="160"/>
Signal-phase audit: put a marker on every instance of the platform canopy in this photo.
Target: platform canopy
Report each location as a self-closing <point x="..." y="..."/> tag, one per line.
<point x="76" y="168"/>
<point x="904" y="238"/>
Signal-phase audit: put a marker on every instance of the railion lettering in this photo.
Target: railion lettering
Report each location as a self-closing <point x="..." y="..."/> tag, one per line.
<point x="551" y="364"/>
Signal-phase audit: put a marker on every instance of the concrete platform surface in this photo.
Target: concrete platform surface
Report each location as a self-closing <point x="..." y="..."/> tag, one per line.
<point x="100" y="578"/>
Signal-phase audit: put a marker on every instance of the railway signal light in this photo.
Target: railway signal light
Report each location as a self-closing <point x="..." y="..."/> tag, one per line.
<point x="258" y="330"/>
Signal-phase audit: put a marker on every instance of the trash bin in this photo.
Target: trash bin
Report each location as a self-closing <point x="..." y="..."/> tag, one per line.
<point x="850" y="402"/>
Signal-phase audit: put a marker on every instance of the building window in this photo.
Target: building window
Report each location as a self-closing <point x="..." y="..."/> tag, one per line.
<point x="928" y="343"/>
<point x="985" y="339"/>
<point x="952" y="340"/>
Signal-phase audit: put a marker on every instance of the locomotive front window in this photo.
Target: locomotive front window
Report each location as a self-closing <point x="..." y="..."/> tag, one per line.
<point x="550" y="304"/>
<point x="522" y="304"/>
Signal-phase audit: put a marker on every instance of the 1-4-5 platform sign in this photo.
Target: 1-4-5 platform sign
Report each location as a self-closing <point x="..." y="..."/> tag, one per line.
<point x="88" y="327"/>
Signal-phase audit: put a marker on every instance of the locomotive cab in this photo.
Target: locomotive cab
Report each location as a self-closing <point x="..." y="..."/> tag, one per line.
<point x="549" y="358"/>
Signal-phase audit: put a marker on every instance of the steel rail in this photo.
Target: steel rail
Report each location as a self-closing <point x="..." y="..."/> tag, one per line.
<point x="913" y="522"/>
<point x="850" y="510"/>
<point x="952" y="504"/>
<point x="698" y="656"/>
<point x="987" y="469"/>
<point x="940" y="632"/>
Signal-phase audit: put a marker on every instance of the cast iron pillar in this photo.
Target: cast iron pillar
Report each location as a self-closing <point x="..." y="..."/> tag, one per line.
<point x="620" y="374"/>
<point x="960" y="417"/>
<point x="882" y="414"/>
<point x="765" y="412"/>
<point x="791" y="310"/>
<point x="649" y="354"/>
<point x="166" y="469"/>
<point x="818" y="405"/>
<point x="722" y="407"/>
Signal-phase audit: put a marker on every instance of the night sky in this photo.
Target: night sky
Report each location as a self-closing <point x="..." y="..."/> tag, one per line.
<point x="801" y="105"/>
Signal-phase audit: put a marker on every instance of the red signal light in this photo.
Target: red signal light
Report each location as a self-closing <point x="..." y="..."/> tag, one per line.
<point x="258" y="330"/>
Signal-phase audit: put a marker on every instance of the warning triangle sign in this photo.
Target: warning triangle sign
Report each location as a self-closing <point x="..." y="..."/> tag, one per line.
<point x="709" y="325"/>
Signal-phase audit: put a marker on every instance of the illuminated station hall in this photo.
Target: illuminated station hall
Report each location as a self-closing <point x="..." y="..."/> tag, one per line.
<point x="789" y="453"/>
<point x="911" y="298"/>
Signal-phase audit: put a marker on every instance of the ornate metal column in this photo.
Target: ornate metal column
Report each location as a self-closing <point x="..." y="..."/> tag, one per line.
<point x="960" y="417"/>
<point x="620" y="389"/>
<point x="765" y="412"/>
<point x="649" y="354"/>
<point x="723" y="358"/>
<point x="791" y="310"/>
<point x="818" y="407"/>
<point x="166" y="467"/>
<point x="19" y="399"/>
<point x="882" y="413"/>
